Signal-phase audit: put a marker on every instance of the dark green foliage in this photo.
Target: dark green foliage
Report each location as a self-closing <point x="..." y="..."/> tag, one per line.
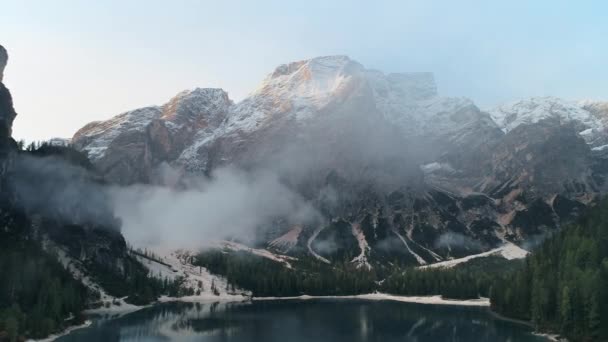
<point x="36" y="293"/>
<point x="268" y="278"/>
<point x="134" y="282"/>
<point x="538" y="214"/>
<point x="67" y="153"/>
<point x="448" y="283"/>
<point x="564" y="284"/>
<point x="467" y="281"/>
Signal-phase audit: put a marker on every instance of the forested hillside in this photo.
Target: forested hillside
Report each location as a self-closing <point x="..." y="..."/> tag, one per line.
<point x="266" y="278"/>
<point x="308" y="276"/>
<point x="37" y="295"/>
<point x="564" y="284"/>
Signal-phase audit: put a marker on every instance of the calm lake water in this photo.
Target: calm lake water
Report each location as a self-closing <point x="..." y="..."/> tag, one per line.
<point x="308" y="320"/>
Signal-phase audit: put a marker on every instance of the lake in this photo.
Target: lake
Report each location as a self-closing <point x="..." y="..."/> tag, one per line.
<point x="321" y="320"/>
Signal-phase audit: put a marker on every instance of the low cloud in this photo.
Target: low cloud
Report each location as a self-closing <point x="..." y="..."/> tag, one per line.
<point x="231" y="203"/>
<point x="184" y="213"/>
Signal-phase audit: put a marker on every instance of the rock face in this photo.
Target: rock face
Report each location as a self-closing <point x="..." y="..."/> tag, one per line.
<point x="7" y="112"/>
<point x="128" y="147"/>
<point x="413" y="175"/>
<point x="7" y="115"/>
<point x="3" y="61"/>
<point x="94" y="244"/>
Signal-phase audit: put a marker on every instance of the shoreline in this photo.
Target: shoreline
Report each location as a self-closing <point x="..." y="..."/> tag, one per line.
<point x="549" y="336"/>
<point x="430" y="300"/>
<point x="126" y="308"/>
<point x="66" y="331"/>
<point x="425" y="300"/>
<point x="203" y="299"/>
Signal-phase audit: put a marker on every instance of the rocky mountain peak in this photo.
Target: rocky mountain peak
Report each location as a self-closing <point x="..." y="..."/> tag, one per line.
<point x="210" y="104"/>
<point x="3" y="61"/>
<point x="598" y="108"/>
<point x="327" y="75"/>
<point x="311" y="81"/>
<point x="535" y="109"/>
<point x="318" y="67"/>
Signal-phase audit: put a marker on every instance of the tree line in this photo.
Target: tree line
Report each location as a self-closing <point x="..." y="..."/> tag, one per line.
<point x="264" y="277"/>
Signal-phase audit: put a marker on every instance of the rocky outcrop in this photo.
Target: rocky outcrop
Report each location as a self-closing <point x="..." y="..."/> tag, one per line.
<point x="7" y="115"/>
<point x="129" y="148"/>
<point x="7" y="112"/>
<point x="3" y="61"/>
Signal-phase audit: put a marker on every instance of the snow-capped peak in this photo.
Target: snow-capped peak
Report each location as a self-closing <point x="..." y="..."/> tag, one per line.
<point x="297" y="89"/>
<point x="201" y="108"/>
<point x="314" y="79"/>
<point x="210" y="104"/>
<point x="533" y="110"/>
<point x="199" y="99"/>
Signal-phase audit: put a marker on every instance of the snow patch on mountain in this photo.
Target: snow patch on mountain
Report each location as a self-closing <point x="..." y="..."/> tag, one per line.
<point x="179" y="264"/>
<point x="100" y="134"/>
<point x="311" y="250"/>
<point x="235" y="246"/>
<point x="411" y="101"/>
<point x="200" y="110"/>
<point x="297" y="90"/>
<point x="600" y="148"/>
<point x="361" y="259"/>
<point x="311" y="81"/>
<point x="420" y="260"/>
<point x="533" y="110"/>
<point x="435" y="166"/>
<point x="508" y="251"/>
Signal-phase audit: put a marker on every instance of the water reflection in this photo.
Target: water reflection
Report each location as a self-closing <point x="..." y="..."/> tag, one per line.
<point x="313" y="320"/>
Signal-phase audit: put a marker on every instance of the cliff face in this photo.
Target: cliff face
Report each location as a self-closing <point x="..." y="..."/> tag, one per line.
<point x="7" y="112"/>
<point x="128" y="147"/>
<point x="3" y="61"/>
<point x="28" y="197"/>
<point x="7" y="115"/>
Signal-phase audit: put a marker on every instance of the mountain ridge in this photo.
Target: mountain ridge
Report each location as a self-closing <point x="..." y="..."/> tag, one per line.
<point x="394" y="153"/>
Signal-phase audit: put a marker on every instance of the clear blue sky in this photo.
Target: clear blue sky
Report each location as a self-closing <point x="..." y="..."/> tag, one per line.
<point x="72" y="62"/>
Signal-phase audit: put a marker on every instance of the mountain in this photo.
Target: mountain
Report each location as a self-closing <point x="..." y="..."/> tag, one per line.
<point x="397" y="171"/>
